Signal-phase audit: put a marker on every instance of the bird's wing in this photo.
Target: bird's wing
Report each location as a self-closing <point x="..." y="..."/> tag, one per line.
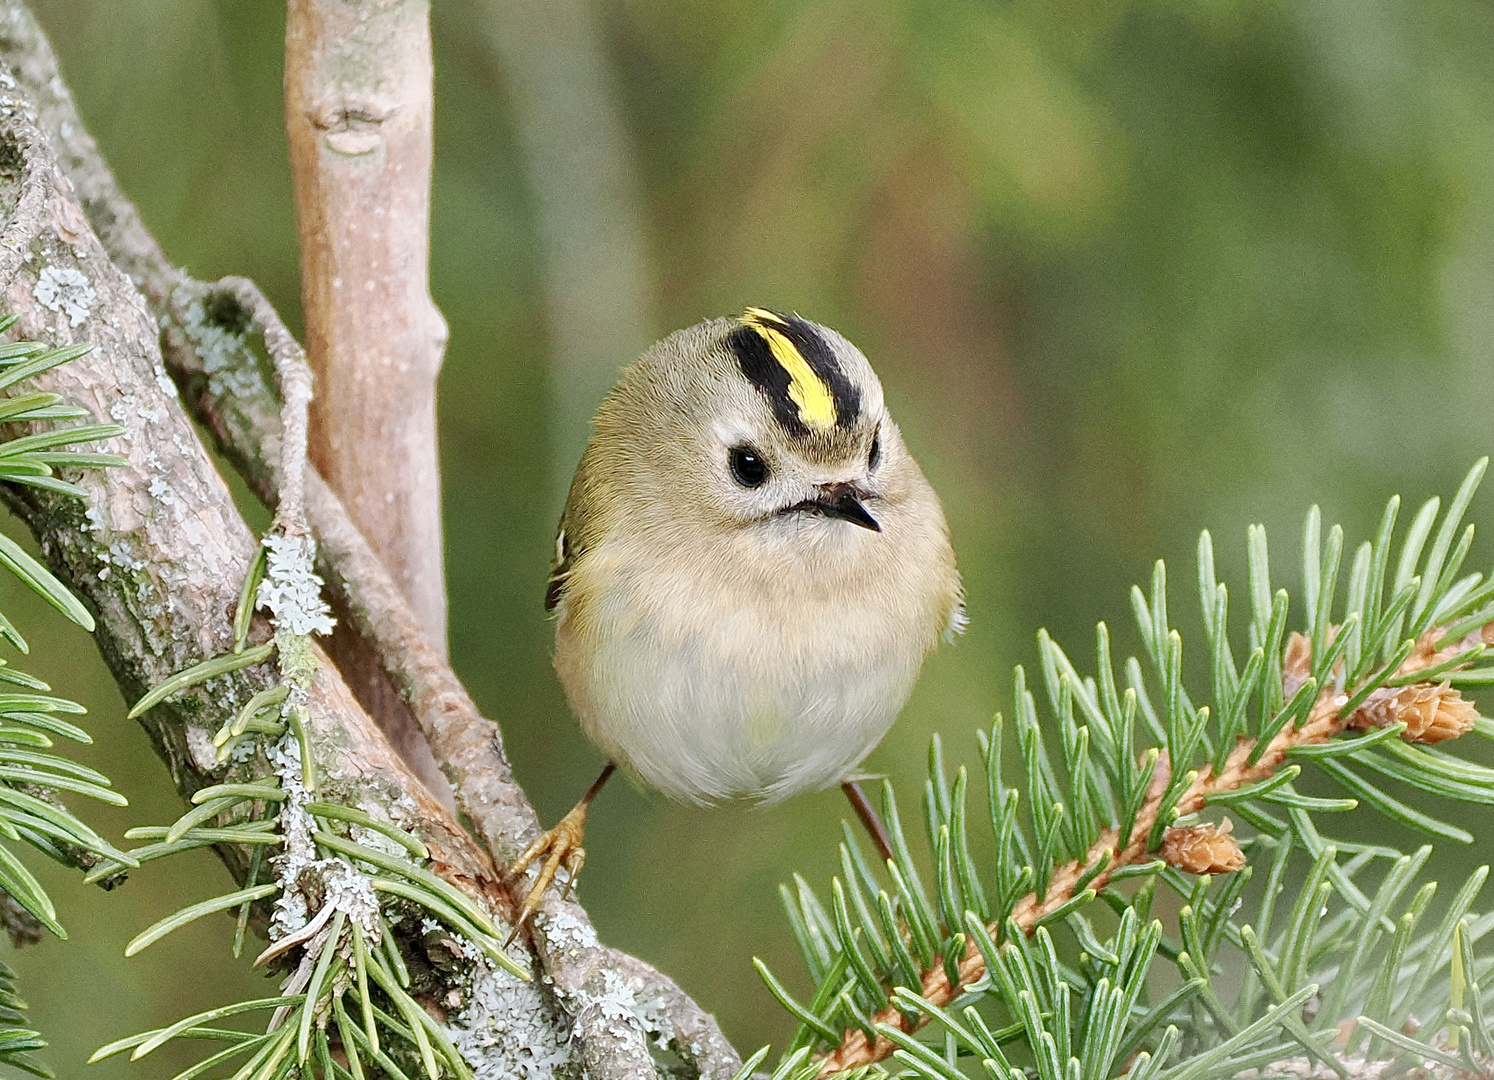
<point x="560" y="569"/>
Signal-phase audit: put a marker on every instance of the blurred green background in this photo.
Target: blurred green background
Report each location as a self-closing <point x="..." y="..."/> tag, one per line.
<point x="1127" y="269"/>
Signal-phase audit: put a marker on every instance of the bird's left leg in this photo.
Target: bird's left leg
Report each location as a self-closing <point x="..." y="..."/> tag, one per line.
<point x="563" y="845"/>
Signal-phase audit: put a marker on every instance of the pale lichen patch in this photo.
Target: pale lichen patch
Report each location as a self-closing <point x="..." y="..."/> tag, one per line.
<point x="292" y="589"/>
<point x="218" y="335"/>
<point x="66" y="290"/>
<point x="508" y="1029"/>
<point x="200" y="746"/>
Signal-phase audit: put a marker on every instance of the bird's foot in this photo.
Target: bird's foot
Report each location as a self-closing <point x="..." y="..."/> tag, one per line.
<point x="560" y="846"/>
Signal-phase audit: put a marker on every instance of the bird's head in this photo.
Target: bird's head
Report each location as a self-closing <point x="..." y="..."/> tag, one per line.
<point x="794" y="434"/>
<point x="768" y="425"/>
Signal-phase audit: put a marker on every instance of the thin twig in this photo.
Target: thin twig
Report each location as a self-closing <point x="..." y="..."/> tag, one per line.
<point x="293" y="374"/>
<point x="469" y="746"/>
<point x="870" y="821"/>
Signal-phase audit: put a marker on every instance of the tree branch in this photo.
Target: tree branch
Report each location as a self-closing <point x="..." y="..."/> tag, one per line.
<point x="358" y="106"/>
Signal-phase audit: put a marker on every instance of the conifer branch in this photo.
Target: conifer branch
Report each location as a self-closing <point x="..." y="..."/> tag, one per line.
<point x="1325" y="722"/>
<point x="1326" y="682"/>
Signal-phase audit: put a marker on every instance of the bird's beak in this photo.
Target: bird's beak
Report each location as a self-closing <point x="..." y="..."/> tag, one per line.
<point x="843" y="501"/>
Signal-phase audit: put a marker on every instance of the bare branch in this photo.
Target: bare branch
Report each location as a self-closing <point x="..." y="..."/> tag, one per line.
<point x="358" y="109"/>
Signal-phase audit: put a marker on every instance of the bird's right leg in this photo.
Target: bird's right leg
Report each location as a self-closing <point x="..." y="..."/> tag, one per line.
<point x="563" y="845"/>
<point x="869" y="819"/>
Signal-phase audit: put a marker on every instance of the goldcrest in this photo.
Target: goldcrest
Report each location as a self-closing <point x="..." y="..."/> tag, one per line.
<point x="751" y="567"/>
<point x="750" y="571"/>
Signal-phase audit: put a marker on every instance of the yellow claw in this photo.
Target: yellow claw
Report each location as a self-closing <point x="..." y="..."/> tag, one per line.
<point x="561" y="846"/>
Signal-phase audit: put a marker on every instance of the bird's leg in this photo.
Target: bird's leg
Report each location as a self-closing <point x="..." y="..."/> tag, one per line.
<point x="563" y="844"/>
<point x="874" y="827"/>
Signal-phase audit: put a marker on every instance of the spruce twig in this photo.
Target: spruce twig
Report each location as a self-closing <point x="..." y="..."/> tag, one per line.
<point x="1243" y="767"/>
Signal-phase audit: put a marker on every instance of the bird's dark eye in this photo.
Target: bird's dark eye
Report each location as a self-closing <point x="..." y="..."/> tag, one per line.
<point x="747" y="467"/>
<point x="876" y="451"/>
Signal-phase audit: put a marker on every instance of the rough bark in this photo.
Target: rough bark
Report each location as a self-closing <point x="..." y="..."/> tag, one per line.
<point x="358" y="108"/>
<point x="230" y="389"/>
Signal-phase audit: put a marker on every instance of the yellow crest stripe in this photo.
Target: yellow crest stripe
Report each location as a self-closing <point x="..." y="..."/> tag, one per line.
<point x="807" y="390"/>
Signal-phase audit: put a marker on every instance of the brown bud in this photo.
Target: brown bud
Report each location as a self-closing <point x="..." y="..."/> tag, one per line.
<point x="1203" y="849"/>
<point x="1296" y="660"/>
<point x="1296" y="663"/>
<point x="1423" y="654"/>
<point x="1432" y="714"/>
<point x="1426" y="654"/>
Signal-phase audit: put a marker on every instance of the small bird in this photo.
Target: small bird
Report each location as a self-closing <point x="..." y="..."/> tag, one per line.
<point x="749" y="573"/>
